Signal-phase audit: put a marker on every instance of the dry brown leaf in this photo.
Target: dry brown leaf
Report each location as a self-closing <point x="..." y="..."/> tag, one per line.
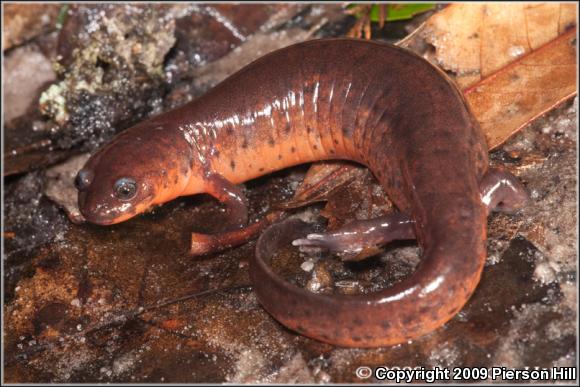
<point x="506" y="101"/>
<point x="475" y="40"/>
<point x="320" y="180"/>
<point x="360" y="198"/>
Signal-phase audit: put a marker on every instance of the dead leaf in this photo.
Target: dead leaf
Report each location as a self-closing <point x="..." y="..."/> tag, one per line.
<point x="321" y="180"/>
<point x="348" y="190"/>
<point x="361" y="198"/>
<point x="512" y="97"/>
<point x="475" y="40"/>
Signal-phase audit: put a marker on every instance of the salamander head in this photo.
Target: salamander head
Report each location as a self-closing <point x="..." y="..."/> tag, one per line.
<point x="130" y="175"/>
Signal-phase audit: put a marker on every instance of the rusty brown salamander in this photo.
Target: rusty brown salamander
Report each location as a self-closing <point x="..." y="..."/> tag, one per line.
<point x="373" y="103"/>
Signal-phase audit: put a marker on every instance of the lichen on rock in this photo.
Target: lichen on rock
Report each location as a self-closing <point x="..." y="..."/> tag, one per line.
<point x="110" y="65"/>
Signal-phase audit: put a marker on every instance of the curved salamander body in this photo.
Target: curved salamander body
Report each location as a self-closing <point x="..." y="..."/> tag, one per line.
<point x="373" y="103"/>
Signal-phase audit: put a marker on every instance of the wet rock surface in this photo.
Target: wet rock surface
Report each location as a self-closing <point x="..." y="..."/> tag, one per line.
<point x="126" y="303"/>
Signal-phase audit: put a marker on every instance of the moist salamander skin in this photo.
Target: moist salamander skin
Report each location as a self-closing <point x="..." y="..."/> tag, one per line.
<point x="369" y="102"/>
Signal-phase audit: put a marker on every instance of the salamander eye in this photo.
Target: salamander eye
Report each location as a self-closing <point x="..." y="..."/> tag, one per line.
<point x="125" y="188"/>
<point x="83" y="180"/>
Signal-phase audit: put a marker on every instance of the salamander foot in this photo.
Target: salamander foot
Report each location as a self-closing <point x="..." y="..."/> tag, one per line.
<point x="360" y="238"/>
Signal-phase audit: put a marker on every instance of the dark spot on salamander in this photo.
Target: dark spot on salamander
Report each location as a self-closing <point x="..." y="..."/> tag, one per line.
<point x="233" y="164"/>
<point x="292" y="149"/>
<point x="299" y="328"/>
<point x="331" y="151"/>
<point x="230" y="130"/>
<point x="336" y="142"/>
<point x="308" y="129"/>
<point x="347" y="131"/>
<point x="171" y="165"/>
<point x="271" y="141"/>
<point x="245" y="143"/>
<point x="407" y="320"/>
<point x="356" y="338"/>
<point x="279" y="157"/>
<point x="315" y="146"/>
<point x="357" y="321"/>
<point x="386" y="324"/>
<point x="176" y="179"/>
<point x="261" y="169"/>
<point x="287" y="128"/>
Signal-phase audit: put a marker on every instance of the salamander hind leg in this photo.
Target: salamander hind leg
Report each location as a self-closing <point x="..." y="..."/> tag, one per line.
<point x="355" y="240"/>
<point x="502" y="192"/>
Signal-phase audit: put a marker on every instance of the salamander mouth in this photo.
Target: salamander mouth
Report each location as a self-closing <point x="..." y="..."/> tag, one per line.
<point x="102" y="213"/>
<point x="105" y="213"/>
<point x="100" y="219"/>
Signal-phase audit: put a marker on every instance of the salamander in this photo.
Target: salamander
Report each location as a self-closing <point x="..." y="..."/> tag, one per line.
<point x="373" y="103"/>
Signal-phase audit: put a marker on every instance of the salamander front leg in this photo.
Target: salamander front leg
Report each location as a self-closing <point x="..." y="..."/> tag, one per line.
<point x="231" y="196"/>
<point x="236" y="204"/>
<point x="502" y="192"/>
<point x="360" y="236"/>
